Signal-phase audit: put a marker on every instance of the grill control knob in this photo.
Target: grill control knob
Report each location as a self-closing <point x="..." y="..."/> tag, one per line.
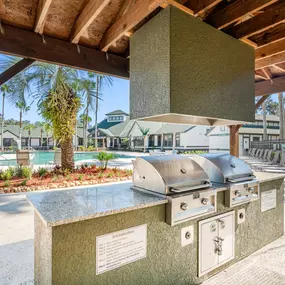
<point x="251" y="190"/>
<point x="205" y="201"/>
<point x="184" y="206"/>
<point x="238" y="193"/>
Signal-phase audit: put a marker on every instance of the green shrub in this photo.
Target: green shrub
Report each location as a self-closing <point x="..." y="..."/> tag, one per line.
<point x="42" y="171"/>
<point x="24" y="172"/>
<point x="194" y="152"/>
<point x="24" y="182"/>
<point x="104" y="158"/>
<point x="91" y="148"/>
<point x="80" y="177"/>
<point x="110" y="174"/>
<point x="82" y="148"/>
<point x="129" y="172"/>
<point x="7" y="184"/>
<point x="7" y="174"/>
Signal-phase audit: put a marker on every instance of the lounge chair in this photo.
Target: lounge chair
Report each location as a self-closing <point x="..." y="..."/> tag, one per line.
<point x="23" y="157"/>
<point x="282" y="159"/>
<point x="261" y="154"/>
<point x="269" y="154"/>
<point x="253" y="152"/>
<point x="265" y="154"/>
<point x="276" y="157"/>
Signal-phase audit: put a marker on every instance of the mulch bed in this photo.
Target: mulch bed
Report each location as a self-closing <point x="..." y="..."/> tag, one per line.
<point x="85" y="175"/>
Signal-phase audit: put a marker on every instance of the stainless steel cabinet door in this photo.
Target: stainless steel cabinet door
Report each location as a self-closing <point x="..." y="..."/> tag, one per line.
<point x="226" y="237"/>
<point x="208" y="259"/>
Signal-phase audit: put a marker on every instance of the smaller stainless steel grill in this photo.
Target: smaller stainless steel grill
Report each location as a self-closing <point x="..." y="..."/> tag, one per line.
<point x="182" y="180"/>
<point x="232" y="172"/>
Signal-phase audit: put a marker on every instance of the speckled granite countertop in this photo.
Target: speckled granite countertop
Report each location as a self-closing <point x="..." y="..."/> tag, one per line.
<point x="266" y="176"/>
<point x="68" y="206"/>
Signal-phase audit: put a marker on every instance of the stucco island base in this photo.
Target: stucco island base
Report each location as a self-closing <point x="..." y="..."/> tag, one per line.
<point x="66" y="253"/>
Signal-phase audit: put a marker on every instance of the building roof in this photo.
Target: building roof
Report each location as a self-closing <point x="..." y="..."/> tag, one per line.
<point x="35" y="133"/>
<point x="117" y="112"/>
<point x="259" y="117"/>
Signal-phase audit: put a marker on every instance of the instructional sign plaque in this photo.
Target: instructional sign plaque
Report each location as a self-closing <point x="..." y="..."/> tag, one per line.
<point x="268" y="200"/>
<point x="119" y="248"/>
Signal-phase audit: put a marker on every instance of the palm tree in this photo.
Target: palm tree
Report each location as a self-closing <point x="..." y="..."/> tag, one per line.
<point x="281" y="115"/>
<point x="4" y="90"/>
<point x="41" y="125"/>
<point x="101" y="81"/>
<point x="59" y="103"/>
<point x="85" y="120"/>
<point x="144" y="132"/>
<point x="264" y="120"/>
<point x="48" y="129"/>
<point x="23" y="108"/>
<point x="29" y="128"/>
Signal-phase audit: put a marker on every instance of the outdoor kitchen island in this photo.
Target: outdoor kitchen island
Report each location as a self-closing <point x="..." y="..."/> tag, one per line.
<point x="112" y="234"/>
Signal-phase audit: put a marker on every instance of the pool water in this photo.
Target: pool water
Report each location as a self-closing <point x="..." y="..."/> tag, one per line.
<point x="44" y="157"/>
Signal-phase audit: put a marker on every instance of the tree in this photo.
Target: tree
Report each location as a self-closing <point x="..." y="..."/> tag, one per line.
<point x="41" y="125"/>
<point x="144" y="132"/>
<point x="101" y="81"/>
<point x="85" y="119"/>
<point x="23" y="108"/>
<point x="29" y="128"/>
<point x="264" y="120"/>
<point x="272" y="107"/>
<point x="281" y="115"/>
<point x="4" y="90"/>
<point x="48" y="129"/>
<point x="59" y="105"/>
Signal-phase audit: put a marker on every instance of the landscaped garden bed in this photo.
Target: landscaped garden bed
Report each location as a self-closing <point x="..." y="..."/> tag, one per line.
<point x="22" y="179"/>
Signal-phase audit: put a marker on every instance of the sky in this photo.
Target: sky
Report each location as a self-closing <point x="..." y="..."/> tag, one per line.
<point x="114" y="97"/>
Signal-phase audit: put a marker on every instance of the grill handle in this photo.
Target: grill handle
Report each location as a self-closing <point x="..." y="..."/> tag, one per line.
<point x="242" y="179"/>
<point x="175" y="190"/>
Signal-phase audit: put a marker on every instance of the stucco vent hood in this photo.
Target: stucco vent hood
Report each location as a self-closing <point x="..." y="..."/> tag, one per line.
<point x="185" y="71"/>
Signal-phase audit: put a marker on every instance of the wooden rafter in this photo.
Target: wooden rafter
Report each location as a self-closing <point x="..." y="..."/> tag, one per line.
<point x="125" y="23"/>
<point x="180" y="6"/>
<point x="270" y="60"/>
<point x="42" y="11"/>
<point x="200" y="6"/>
<point x="274" y="15"/>
<point x="270" y="35"/>
<point x="260" y="73"/>
<point x="270" y="49"/>
<point x="261" y="101"/>
<point x="87" y="17"/>
<point x="235" y="10"/>
<point x="267" y="73"/>
<point x="280" y="66"/>
<point x="16" y="68"/>
<point x="24" y="43"/>
<point x="270" y="86"/>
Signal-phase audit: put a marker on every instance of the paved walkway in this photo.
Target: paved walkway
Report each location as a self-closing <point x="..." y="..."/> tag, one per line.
<point x="265" y="267"/>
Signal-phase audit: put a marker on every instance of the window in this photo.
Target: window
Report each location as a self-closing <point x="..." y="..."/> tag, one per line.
<point x="222" y="128"/>
<point x="177" y="139"/>
<point x="167" y="140"/>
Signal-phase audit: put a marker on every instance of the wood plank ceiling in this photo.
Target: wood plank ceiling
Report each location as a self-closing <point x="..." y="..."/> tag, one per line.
<point x="106" y="25"/>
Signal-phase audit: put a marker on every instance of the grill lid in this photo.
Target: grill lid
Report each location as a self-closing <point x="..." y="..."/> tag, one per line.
<point x="224" y="168"/>
<point x="169" y="174"/>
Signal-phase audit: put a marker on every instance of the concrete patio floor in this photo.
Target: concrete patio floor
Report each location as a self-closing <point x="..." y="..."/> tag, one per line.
<point x="264" y="267"/>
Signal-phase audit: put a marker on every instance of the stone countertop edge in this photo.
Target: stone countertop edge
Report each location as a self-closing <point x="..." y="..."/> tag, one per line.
<point x="96" y="215"/>
<point x="267" y="176"/>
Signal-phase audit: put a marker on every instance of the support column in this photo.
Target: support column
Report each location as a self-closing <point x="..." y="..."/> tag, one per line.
<point x="234" y="140"/>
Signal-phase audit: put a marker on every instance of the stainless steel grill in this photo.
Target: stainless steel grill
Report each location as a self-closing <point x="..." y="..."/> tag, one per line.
<point x="182" y="180"/>
<point x="228" y="170"/>
<point x="169" y="174"/>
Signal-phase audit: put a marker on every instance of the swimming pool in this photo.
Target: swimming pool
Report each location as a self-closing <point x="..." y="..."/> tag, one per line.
<point x="44" y="157"/>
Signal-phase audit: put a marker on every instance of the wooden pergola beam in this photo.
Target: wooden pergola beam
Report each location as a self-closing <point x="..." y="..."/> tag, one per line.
<point x="260" y="101"/>
<point x="270" y="35"/>
<point x="200" y="6"/>
<point x="274" y="15"/>
<point x="136" y="13"/>
<point x="42" y="11"/>
<point x="15" y="69"/>
<point x="87" y="17"/>
<point x="235" y="10"/>
<point x="24" y="43"/>
<point x="270" y="60"/>
<point x="272" y="86"/>
<point x="270" y="49"/>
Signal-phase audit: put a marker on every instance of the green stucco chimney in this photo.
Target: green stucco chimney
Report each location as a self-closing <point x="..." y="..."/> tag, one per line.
<point x="182" y="70"/>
